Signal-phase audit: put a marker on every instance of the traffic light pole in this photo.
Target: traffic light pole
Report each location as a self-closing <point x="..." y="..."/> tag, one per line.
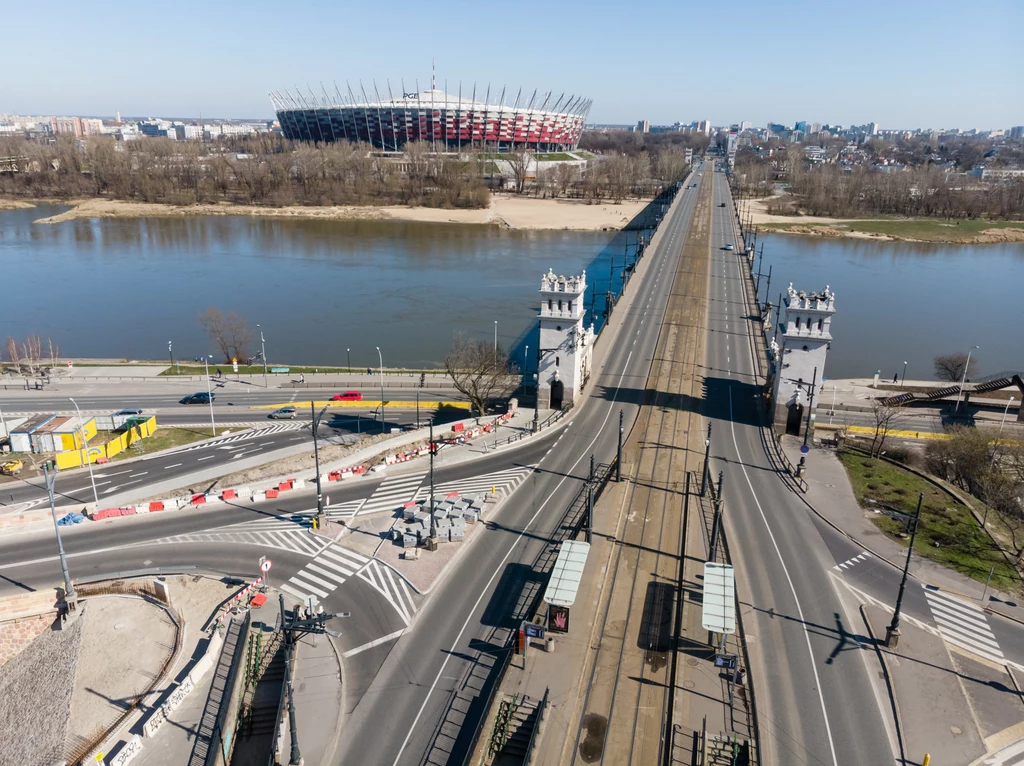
<point x="892" y="633"/>
<point x="618" y="457"/>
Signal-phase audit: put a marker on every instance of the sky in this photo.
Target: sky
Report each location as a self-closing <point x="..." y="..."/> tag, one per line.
<point x="899" y="63"/>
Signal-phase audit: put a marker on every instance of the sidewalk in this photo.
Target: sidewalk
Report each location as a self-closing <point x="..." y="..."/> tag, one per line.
<point x="831" y="496"/>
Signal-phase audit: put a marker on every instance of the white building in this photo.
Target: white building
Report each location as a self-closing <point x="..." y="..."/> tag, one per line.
<point x="800" y="349"/>
<point x="564" y="355"/>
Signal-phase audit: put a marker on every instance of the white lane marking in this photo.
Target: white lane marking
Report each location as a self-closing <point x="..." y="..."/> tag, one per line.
<point x="208" y="457"/>
<point x="792" y="589"/>
<point x="176" y="465"/>
<point x="501" y="566"/>
<point x="138" y="474"/>
<point x="372" y="644"/>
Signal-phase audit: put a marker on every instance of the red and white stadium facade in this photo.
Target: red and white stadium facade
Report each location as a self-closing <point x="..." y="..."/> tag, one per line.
<point x="447" y="122"/>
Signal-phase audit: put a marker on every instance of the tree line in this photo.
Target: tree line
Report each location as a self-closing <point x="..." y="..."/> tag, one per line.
<point x="268" y="170"/>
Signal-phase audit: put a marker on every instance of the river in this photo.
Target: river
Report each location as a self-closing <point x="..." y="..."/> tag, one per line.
<point x="907" y="301"/>
<point x="122" y="288"/>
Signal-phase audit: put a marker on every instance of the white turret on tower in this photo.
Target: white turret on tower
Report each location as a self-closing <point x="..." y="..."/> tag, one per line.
<point x="564" y="353"/>
<point x="803" y="339"/>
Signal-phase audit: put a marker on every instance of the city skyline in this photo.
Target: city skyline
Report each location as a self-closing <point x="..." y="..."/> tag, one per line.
<point x="824" y="64"/>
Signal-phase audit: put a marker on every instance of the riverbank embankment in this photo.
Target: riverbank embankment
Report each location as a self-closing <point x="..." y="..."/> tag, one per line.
<point x="889" y="228"/>
<point x="508" y="211"/>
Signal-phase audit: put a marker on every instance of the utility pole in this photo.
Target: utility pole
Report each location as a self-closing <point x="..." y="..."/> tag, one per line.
<point x="963" y="380"/>
<point x="209" y="391"/>
<point x="590" y="499"/>
<point x="263" y="355"/>
<point x="892" y="633"/>
<point x="316" y="457"/>
<point x="717" y="523"/>
<point x="380" y="357"/>
<point x="430" y="504"/>
<point x="707" y="459"/>
<point x="810" y="406"/>
<point x="70" y="597"/>
<point x="618" y="456"/>
<point x="85" y="452"/>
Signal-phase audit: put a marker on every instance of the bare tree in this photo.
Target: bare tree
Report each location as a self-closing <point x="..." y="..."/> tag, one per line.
<point x="54" y="352"/>
<point x="230" y="333"/>
<point x="566" y="175"/>
<point x="886" y="417"/>
<point x="32" y="352"/>
<point x="519" y="162"/>
<point x="951" y="366"/>
<point x="13" y="353"/>
<point x="479" y="371"/>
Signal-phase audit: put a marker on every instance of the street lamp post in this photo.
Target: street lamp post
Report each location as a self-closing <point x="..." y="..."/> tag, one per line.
<point x="209" y="391"/>
<point x="892" y="633"/>
<point x="963" y="380"/>
<point x="69" y="589"/>
<point x="810" y="407"/>
<point x="380" y="358"/>
<point x="171" y="352"/>
<point x="903" y="379"/>
<point x="495" y="334"/>
<point x="263" y="354"/>
<point x="707" y="459"/>
<point x="618" y="456"/>
<point x="348" y="356"/>
<point x="1005" y="410"/>
<point x="85" y="451"/>
<point x="316" y="458"/>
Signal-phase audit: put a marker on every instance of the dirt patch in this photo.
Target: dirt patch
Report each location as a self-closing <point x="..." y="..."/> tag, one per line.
<point x="14" y="204"/>
<point x="125" y="642"/>
<point x="1000" y="235"/>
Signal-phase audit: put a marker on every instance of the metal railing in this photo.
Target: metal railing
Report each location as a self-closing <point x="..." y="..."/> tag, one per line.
<point x="536" y="725"/>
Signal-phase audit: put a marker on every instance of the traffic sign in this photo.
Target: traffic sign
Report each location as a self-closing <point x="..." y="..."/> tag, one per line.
<point x="265" y="565"/>
<point x="70" y="363"/>
<point x="805" y="449"/>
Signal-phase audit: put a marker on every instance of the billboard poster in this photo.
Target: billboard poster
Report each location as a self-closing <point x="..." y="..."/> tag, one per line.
<point x="558" y="619"/>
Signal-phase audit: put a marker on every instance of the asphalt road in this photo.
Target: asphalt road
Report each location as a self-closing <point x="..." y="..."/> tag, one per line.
<point x="819" y="700"/>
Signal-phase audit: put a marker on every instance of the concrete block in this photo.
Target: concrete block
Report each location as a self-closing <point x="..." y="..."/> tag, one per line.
<point x="443" y="523"/>
<point x="410" y="513"/>
<point x="423" y="517"/>
<point x="397" y="533"/>
<point x="470" y="516"/>
<point x="410" y="541"/>
<point x="457" y="535"/>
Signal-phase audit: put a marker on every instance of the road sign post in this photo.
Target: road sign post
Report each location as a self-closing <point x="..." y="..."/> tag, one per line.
<point x="265" y="565"/>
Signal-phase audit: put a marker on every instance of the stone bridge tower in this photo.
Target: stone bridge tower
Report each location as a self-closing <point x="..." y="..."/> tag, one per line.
<point x="565" y="348"/>
<point x="804" y="337"/>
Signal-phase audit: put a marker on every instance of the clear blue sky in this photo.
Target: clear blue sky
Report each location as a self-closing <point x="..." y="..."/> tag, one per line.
<point x="900" y="63"/>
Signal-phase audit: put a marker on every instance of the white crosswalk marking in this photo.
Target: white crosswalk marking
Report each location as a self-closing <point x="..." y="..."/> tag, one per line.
<point x="963" y="624"/>
<point x="392" y="493"/>
<point x="1011" y="755"/>
<point x="503" y="482"/>
<point x="322" y="576"/>
<point x="390" y="585"/>
<point x="346" y="510"/>
<point x="259" y="433"/>
<point x="287" y="533"/>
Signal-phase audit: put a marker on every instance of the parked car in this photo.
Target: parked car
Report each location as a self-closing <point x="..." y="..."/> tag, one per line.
<point x="199" y="398"/>
<point x="348" y="396"/>
<point x="130" y="412"/>
<point x="729" y="246"/>
<point x="11" y="467"/>
<point x="283" y="413"/>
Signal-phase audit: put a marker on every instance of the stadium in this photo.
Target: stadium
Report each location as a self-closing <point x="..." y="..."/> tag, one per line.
<point x="447" y="122"/>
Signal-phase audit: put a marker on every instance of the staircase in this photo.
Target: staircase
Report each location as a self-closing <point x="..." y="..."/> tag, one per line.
<point x="728" y="751"/>
<point x="513" y="732"/>
<point x="260" y="703"/>
<point x="990" y="383"/>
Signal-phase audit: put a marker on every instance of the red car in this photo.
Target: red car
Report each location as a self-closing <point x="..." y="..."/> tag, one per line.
<point x="348" y="396"/>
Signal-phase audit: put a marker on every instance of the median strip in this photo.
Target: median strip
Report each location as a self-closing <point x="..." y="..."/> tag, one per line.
<point x="364" y="403"/>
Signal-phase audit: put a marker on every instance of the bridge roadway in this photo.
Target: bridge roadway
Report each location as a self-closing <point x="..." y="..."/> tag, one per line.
<point x="820" y="702"/>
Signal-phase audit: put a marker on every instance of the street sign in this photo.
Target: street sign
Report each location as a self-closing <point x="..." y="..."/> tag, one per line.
<point x="804" y="449"/>
<point x="533" y="631"/>
<point x="265" y="565"/>
<point x="234" y="364"/>
<point x="725" y="661"/>
<point x="718" y="613"/>
<point x="70" y="363"/>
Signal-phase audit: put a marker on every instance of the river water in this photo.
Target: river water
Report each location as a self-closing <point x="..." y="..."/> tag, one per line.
<point x="122" y="288"/>
<point x="906" y="301"/>
<point x="125" y="287"/>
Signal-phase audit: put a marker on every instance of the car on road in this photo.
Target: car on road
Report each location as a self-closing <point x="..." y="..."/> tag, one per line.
<point x="721" y="204"/>
<point x="199" y="398"/>
<point x="728" y="246"/>
<point x="11" y="467"/>
<point x="283" y="413"/>
<point x="348" y="396"/>
<point x="130" y="412"/>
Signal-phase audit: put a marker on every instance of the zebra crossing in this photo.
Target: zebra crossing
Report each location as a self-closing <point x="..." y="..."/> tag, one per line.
<point x="325" y="573"/>
<point x="346" y="510"/>
<point x="503" y="482"/>
<point x="260" y="433"/>
<point x="392" y="493"/>
<point x="962" y="624"/>
<point x="287" y="533"/>
<point x="393" y="587"/>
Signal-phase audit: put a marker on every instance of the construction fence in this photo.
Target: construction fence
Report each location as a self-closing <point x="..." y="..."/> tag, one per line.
<point x="102" y="453"/>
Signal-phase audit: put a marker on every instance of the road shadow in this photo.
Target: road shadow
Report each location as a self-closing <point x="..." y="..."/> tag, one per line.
<point x="513" y="594"/>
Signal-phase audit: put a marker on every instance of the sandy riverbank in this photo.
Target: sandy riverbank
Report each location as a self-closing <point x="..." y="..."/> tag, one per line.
<point x="509" y="211"/>
<point x="14" y="204"/>
<point x="931" y="230"/>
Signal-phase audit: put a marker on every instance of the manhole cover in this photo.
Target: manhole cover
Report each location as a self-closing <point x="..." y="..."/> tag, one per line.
<point x="691" y="662"/>
<point x="118" y="625"/>
<point x="687" y="684"/>
<point x="956" y="730"/>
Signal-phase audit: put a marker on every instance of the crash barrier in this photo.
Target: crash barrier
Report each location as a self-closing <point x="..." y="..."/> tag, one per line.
<point x="244" y="593"/>
<point x="95" y="454"/>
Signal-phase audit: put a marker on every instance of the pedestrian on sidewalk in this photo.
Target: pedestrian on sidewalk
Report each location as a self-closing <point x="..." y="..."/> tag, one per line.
<point x="369" y="371"/>
<point x="302" y="378"/>
<point x="896" y="378"/>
